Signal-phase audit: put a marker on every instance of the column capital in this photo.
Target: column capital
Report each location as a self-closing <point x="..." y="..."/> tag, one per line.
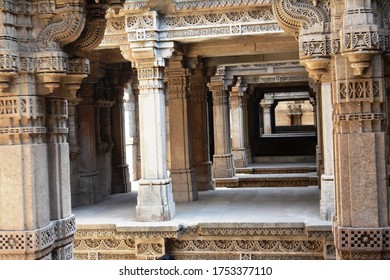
<point x="149" y="53"/>
<point x="240" y="88"/>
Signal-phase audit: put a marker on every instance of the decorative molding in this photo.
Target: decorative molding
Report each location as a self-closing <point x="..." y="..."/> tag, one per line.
<point x="38" y="243"/>
<point x="152" y="26"/>
<point x="209" y="4"/>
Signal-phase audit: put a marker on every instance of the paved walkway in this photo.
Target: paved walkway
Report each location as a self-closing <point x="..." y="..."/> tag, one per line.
<point x="245" y="205"/>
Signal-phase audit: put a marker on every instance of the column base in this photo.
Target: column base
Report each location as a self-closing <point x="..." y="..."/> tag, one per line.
<point x="120" y="179"/>
<point x="155" y="201"/>
<point x="239" y="156"/>
<point x="183" y="185"/>
<point x="204" y="176"/>
<point x="327" y="197"/>
<point x="223" y="166"/>
<point x="90" y="190"/>
<point x="248" y="155"/>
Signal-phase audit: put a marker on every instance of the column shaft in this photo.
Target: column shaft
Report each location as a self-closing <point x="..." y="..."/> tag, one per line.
<point x="181" y="171"/>
<point x="223" y="159"/>
<point x="155" y="198"/>
<point x="200" y="131"/>
<point x="327" y="179"/>
<point x="237" y="121"/>
<point x="90" y="190"/>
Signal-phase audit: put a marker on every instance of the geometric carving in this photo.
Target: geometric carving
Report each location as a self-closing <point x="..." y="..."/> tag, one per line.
<point x="362" y="239"/>
<point x="37" y="243"/>
<point x="369" y="90"/>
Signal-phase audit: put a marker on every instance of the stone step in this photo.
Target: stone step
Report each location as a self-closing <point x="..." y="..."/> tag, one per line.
<point x="268" y="180"/>
<point x="275" y="170"/>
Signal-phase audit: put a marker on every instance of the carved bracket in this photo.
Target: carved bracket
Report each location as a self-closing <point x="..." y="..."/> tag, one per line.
<point x="309" y="22"/>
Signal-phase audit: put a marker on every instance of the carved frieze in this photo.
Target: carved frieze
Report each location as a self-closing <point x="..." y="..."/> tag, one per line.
<point x="144" y="25"/>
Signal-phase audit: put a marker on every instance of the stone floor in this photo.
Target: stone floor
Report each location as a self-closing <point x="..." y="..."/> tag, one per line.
<point x="245" y="205"/>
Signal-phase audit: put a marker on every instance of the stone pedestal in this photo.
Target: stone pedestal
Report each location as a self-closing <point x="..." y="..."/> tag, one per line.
<point x="223" y="160"/>
<point x="237" y="121"/>
<point x="200" y="130"/>
<point x="181" y="171"/>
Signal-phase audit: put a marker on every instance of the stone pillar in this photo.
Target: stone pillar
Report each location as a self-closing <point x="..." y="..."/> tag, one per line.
<point x="223" y="159"/>
<point x="200" y="130"/>
<point x="118" y="79"/>
<point x="237" y="121"/>
<point x="131" y="127"/>
<point x="90" y="189"/>
<point x="327" y="179"/>
<point x="104" y="143"/>
<point x="155" y="198"/>
<point x="181" y="171"/>
<point x="135" y="89"/>
<point x="246" y="126"/>
<point x="362" y="210"/>
<point x="74" y="149"/>
<point x="267" y="124"/>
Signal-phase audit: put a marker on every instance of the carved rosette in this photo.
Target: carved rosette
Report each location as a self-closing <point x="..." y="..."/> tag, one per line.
<point x="309" y="22"/>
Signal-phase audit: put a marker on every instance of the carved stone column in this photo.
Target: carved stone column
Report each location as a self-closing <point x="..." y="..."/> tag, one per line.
<point x="246" y="126"/>
<point x="155" y="199"/>
<point x="90" y="188"/>
<point x="131" y="127"/>
<point x="181" y="171"/>
<point x="223" y="159"/>
<point x="104" y="145"/>
<point x="327" y="178"/>
<point x="74" y="148"/>
<point x="155" y="196"/>
<point x="134" y="87"/>
<point x="361" y="224"/>
<point x="237" y="124"/>
<point x="200" y="130"/>
<point x="266" y="106"/>
<point x="118" y="78"/>
<point x="362" y="210"/>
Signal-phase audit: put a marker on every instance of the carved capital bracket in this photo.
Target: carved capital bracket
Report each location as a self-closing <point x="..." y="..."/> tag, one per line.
<point x="362" y="36"/>
<point x="93" y="31"/>
<point x="309" y="21"/>
<point x="149" y="53"/>
<point x="240" y="88"/>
